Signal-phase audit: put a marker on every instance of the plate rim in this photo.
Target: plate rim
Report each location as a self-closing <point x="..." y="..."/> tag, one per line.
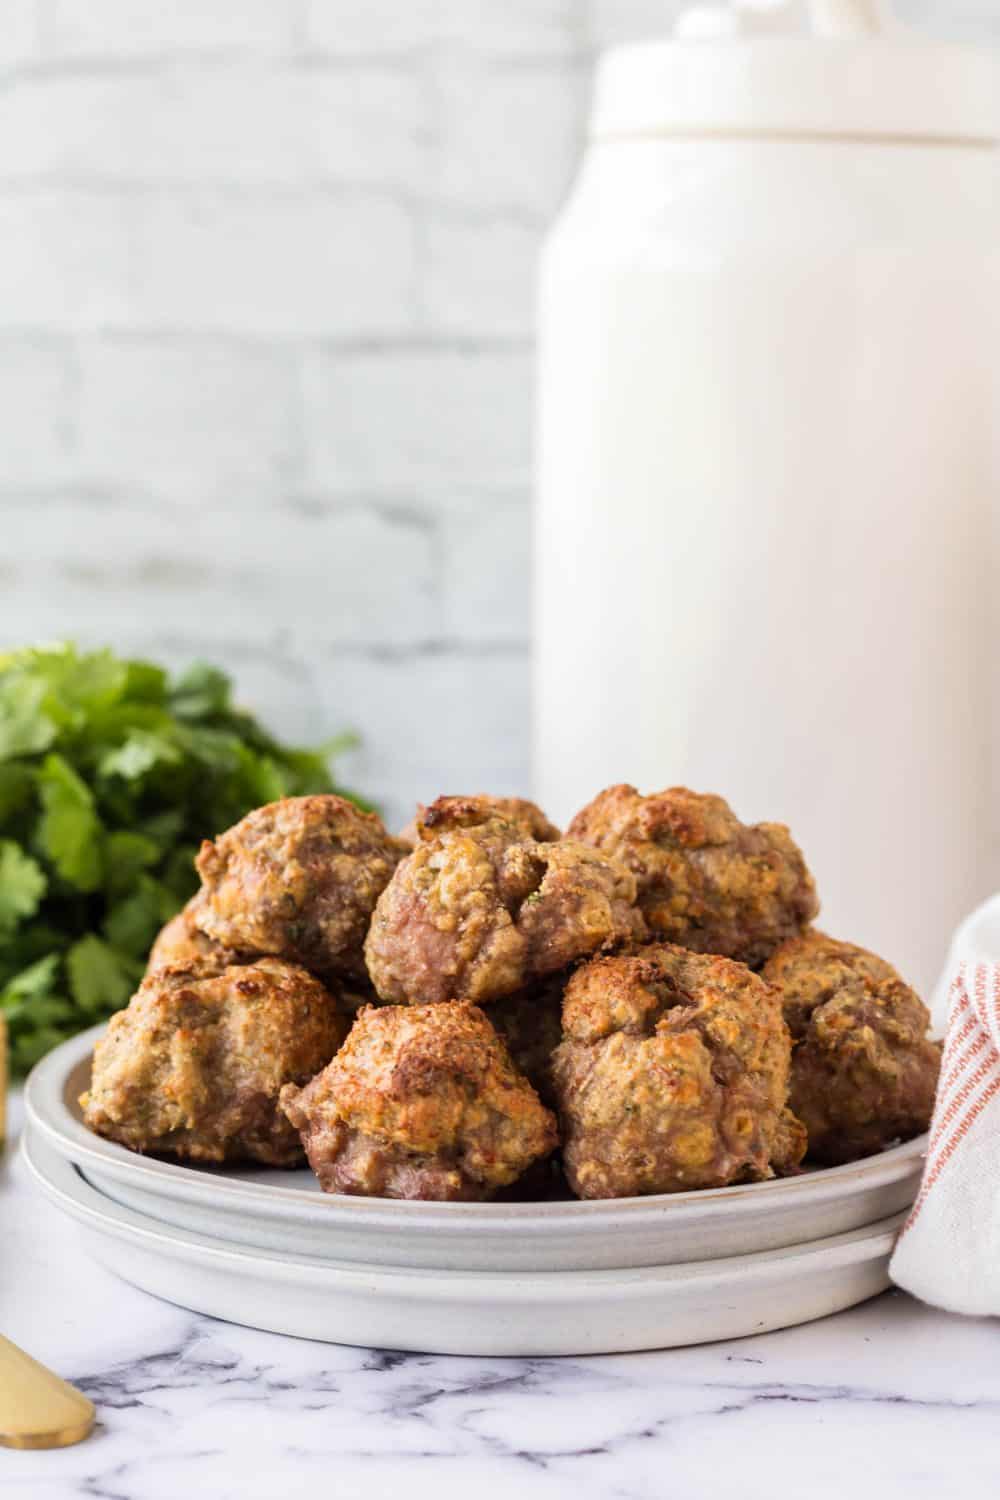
<point x="64" y="1186"/>
<point x="46" y="1111"/>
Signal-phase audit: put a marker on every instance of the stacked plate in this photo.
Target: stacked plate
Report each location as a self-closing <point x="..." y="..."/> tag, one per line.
<point x="265" y="1248"/>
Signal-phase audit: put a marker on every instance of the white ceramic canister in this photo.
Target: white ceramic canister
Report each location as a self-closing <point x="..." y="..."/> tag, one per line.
<point x="766" y="340"/>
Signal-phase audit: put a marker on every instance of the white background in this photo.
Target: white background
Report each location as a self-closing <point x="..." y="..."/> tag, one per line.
<point x="265" y="346"/>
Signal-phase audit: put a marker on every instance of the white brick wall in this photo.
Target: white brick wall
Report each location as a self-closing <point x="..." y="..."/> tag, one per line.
<point x="423" y="420"/>
<point x="102" y="30"/>
<point x="266" y="284"/>
<point x="38" y="383"/>
<point x="192" y="421"/>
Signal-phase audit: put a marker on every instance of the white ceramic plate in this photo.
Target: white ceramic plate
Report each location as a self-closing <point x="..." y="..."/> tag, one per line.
<point x="284" y="1212"/>
<point x="468" y="1312"/>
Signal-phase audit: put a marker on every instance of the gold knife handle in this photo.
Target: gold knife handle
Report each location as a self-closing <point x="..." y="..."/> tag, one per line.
<point x="37" y="1409"/>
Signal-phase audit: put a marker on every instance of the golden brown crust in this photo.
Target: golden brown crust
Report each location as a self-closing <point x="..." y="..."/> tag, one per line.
<point x="864" y="1071"/>
<point x="791" y="1141"/>
<point x="421" y="1102"/>
<point x="705" y="880"/>
<point x="481" y="912"/>
<point x="298" y="879"/>
<point x="194" y="1065"/>
<point x="181" y="944"/>
<point x="672" y="1075"/>
<point x="448" y="813"/>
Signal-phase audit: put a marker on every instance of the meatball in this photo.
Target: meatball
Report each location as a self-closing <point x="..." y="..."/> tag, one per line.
<point x="864" y="1071"/>
<point x="706" y="880"/>
<point x="194" y="1065"/>
<point x="791" y="1142"/>
<point x="421" y="1102"/>
<point x="529" y="1023"/>
<point x="298" y="879"/>
<point x="467" y="812"/>
<point x="481" y="912"/>
<point x="181" y="944"/>
<point x="672" y="1074"/>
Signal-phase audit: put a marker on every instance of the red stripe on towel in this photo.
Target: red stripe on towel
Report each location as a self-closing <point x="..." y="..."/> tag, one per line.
<point x="948" y="1150"/>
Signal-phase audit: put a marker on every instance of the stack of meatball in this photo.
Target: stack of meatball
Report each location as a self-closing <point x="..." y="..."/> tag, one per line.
<point x="641" y="1006"/>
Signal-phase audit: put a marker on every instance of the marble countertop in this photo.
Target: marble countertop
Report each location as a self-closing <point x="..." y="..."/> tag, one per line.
<point x="890" y="1399"/>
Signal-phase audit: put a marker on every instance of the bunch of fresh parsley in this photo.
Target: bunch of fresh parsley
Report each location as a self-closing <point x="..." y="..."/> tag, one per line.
<point x="110" y="776"/>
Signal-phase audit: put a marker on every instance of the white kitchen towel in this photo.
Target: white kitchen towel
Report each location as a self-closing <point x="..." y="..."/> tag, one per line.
<point x="948" y="1252"/>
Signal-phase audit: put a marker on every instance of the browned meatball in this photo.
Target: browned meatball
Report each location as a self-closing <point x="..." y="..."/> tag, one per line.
<point x="194" y="1065"/>
<point x="672" y="1075"/>
<point x="421" y="1102"/>
<point x="298" y="879"/>
<point x="791" y="1142"/>
<point x="864" y="1071"/>
<point x="530" y="1025"/>
<point x="466" y="812"/>
<point x="706" y="880"/>
<point x="481" y="912"/>
<point x="181" y="944"/>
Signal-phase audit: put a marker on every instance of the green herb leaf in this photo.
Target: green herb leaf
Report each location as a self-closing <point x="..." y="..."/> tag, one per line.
<point x="164" y="828"/>
<point x="33" y="981"/>
<point x="24" y="725"/>
<point x="139" y="754"/>
<point x="200" y="692"/>
<point x="133" y="924"/>
<point x="126" y="856"/>
<point x="16" y="784"/>
<point x="264" y="780"/>
<point x="97" y="976"/>
<point x="22" y="885"/>
<point x="70" y="830"/>
<point x="88" y="683"/>
<point x="144" y="682"/>
<point x="178" y="873"/>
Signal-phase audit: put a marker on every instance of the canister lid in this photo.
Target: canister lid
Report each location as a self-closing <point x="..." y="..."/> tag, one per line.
<point x="889" y="86"/>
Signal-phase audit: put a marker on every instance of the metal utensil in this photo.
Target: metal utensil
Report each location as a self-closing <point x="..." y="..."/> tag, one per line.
<point x="37" y="1409"/>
